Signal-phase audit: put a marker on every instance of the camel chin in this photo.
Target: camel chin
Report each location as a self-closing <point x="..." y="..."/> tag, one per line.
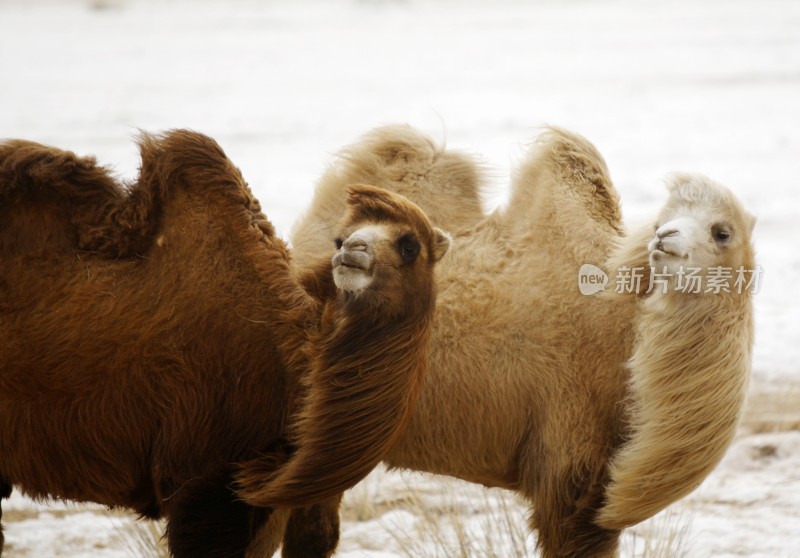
<point x="351" y="279"/>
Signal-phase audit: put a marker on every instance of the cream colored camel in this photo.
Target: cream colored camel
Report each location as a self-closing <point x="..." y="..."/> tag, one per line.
<point x="536" y="388"/>
<point x="691" y="360"/>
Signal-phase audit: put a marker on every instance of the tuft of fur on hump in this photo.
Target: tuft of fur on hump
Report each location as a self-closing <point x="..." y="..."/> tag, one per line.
<point x="445" y="184"/>
<point x="690" y="366"/>
<point x="71" y="193"/>
<point x="563" y="180"/>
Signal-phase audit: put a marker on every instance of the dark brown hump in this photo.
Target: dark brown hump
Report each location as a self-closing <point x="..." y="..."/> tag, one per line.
<point x="29" y="170"/>
<point x="103" y="215"/>
<point x="63" y="194"/>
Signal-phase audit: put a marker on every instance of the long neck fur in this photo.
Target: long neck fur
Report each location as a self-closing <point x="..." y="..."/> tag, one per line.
<point x="364" y="380"/>
<point x="688" y="378"/>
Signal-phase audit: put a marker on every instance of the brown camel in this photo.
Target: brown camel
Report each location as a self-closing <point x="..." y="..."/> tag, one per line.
<point x="155" y="345"/>
<point x="600" y="410"/>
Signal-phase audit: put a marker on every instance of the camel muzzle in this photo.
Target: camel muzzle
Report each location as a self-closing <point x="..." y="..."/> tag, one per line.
<point x="356" y="259"/>
<point x="352" y="269"/>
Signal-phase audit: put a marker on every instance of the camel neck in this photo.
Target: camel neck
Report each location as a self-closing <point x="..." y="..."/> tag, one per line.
<point x="364" y="380"/>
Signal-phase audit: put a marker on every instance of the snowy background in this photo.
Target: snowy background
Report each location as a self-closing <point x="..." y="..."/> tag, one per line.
<point x="708" y="86"/>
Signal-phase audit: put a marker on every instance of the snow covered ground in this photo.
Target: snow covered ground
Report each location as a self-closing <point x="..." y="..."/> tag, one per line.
<point x="658" y="86"/>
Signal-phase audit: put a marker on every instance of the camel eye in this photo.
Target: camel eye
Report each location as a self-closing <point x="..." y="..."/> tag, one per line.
<point x="408" y="248"/>
<point x="339" y="242"/>
<point x="720" y="233"/>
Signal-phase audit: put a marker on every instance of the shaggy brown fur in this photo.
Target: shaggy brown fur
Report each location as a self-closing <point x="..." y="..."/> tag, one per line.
<point x="353" y="415"/>
<point x="154" y="340"/>
<point x="529" y="385"/>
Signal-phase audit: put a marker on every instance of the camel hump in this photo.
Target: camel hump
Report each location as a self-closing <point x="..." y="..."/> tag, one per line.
<point x="561" y="182"/>
<point x="446" y="184"/>
<point x="186" y="159"/>
<point x="52" y="199"/>
<point x="586" y="172"/>
<point x="32" y="171"/>
<point x="105" y="217"/>
<point x="393" y="150"/>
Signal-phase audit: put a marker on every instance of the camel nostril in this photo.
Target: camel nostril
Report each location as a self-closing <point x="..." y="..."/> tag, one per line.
<point x="358" y="244"/>
<point x="661" y="234"/>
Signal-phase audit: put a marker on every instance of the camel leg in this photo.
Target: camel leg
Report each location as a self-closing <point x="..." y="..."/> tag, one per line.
<point x="564" y="509"/>
<point x="206" y="519"/>
<point x="5" y="492"/>
<point x="313" y="532"/>
<point x="268" y="538"/>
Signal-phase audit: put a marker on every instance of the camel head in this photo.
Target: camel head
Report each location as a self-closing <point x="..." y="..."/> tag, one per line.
<point x="702" y="226"/>
<point x="370" y="358"/>
<point x="385" y="247"/>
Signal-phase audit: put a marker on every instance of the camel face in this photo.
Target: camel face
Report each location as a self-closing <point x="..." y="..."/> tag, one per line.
<point x="354" y="261"/>
<point x="702" y="226"/>
<point x="385" y="247"/>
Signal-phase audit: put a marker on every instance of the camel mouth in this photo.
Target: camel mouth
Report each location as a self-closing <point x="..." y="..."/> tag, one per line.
<point x="664" y="247"/>
<point x="351" y="266"/>
<point x="352" y="259"/>
<point x="662" y="256"/>
<point x="659" y="251"/>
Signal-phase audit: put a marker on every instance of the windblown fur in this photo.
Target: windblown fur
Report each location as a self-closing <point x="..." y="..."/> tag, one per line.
<point x="689" y="370"/>
<point x="353" y="414"/>
<point x="154" y="339"/>
<point x="529" y="385"/>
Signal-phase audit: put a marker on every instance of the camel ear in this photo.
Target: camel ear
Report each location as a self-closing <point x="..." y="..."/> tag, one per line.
<point x="441" y="243"/>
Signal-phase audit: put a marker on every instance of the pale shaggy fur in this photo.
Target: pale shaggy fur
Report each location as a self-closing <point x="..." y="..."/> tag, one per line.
<point x="692" y="358"/>
<point x="527" y="385"/>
